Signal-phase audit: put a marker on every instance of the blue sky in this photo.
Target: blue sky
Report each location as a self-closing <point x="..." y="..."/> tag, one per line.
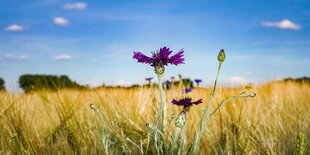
<point x="93" y="41"/>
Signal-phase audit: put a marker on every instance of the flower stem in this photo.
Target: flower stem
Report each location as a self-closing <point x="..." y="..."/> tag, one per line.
<point x="174" y="139"/>
<point x="160" y="117"/>
<point x="205" y="117"/>
<point x="161" y="105"/>
<point x="183" y="140"/>
<point x="103" y="128"/>
<point x="243" y="94"/>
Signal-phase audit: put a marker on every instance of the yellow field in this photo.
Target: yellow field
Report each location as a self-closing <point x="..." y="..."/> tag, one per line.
<point x="276" y="121"/>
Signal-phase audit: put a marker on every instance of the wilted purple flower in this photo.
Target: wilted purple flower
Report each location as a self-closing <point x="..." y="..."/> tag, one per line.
<point x="187" y="90"/>
<point x="186" y="102"/>
<point x="160" y="59"/>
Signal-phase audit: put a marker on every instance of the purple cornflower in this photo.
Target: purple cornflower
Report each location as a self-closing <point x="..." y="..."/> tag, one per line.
<point x="198" y="81"/>
<point x="160" y="59"/>
<point x="187" y="90"/>
<point x="168" y="84"/>
<point x="186" y="102"/>
<point x="149" y="79"/>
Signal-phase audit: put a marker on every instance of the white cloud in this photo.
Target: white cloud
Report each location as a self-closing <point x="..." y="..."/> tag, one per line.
<point x="237" y="81"/>
<point x="284" y="24"/>
<point x="60" y="21"/>
<point x="122" y="82"/>
<point x="14" y="27"/>
<point x="63" y="57"/>
<point x="16" y="57"/>
<point x="92" y="84"/>
<point x="75" y="6"/>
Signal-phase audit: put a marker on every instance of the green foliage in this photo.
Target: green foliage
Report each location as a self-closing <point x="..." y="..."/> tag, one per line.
<point x="188" y="83"/>
<point x="305" y="80"/>
<point x="300" y="144"/>
<point x="46" y="82"/>
<point x="2" y="84"/>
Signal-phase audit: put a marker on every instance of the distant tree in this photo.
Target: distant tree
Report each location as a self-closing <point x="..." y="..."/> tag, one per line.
<point x="2" y="87"/>
<point x="30" y="82"/>
<point x="305" y="80"/>
<point x="188" y="83"/>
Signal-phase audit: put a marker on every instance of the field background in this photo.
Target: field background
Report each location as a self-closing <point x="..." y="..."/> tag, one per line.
<point x="61" y="122"/>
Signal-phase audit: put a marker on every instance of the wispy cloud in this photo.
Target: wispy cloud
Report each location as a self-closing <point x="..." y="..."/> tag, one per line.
<point x="16" y="56"/>
<point x="64" y="57"/>
<point x="122" y="82"/>
<point x="61" y="21"/>
<point x="49" y="1"/>
<point x="284" y="24"/>
<point x="75" y="6"/>
<point x="14" y="27"/>
<point x="92" y="84"/>
<point x="237" y="81"/>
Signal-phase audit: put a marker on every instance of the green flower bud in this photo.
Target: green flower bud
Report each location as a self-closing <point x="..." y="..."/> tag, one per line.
<point x="181" y="120"/>
<point x="92" y="106"/>
<point x="186" y="108"/>
<point x="253" y="95"/>
<point x="221" y="56"/>
<point x="159" y="70"/>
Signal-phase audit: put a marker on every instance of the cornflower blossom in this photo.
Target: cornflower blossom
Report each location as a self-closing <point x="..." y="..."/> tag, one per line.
<point x="160" y="59"/>
<point x="149" y="79"/>
<point x="198" y="81"/>
<point x="187" y="90"/>
<point x="186" y="103"/>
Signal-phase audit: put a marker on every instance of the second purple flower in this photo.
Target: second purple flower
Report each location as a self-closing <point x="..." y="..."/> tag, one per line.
<point x="186" y="102"/>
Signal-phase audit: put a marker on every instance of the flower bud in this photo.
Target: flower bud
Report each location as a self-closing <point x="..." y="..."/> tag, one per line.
<point x="253" y="95"/>
<point x="148" y="125"/>
<point x="221" y="56"/>
<point x="181" y="120"/>
<point x="92" y="106"/>
<point x="159" y="70"/>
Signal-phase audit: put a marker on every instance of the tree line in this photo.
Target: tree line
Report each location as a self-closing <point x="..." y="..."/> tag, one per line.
<point x="2" y="87"/>
<point x="34" y="82"/>
<point x="31" y="83"/>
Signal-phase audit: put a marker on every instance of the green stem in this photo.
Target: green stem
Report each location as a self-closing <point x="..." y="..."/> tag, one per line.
<point x="174" y="140"/>
<point x="161" y="105"/>
<point x="148" y="140"/>
<point x="243" y="94"/>
<point x="104" y="130"/>
<point x="156" y="138"/>
<point x="140" y="148"/>
<point x="217" y="75"/>
<point x="160" y="118"/>
<point x="183" y="140"/>
<point x="205" y="117"/>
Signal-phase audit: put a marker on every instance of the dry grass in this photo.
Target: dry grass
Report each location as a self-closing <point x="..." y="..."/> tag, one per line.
<point x="62" y="122"/>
